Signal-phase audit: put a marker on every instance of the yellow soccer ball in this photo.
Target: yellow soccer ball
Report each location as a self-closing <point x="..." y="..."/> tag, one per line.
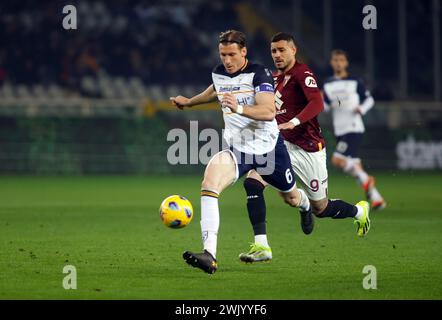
<point x="176" y="212"/>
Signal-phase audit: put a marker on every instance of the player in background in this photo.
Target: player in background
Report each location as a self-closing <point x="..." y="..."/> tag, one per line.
<point x="298" y="101"/>
<point x="349" y="100"/>
<point x="245" y="91"/>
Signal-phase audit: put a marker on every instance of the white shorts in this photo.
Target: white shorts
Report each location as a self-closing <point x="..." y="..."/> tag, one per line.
<point x="311" y="169"/>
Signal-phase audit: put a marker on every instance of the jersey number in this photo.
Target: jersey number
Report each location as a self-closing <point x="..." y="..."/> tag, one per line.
<point x="314" y="185"/>
<point x="288" y="176"/>
<point x="342" y="146"/>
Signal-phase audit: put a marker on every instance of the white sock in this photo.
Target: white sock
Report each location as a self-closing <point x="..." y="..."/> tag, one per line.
<point x="262" y="240"/>
<point x="375" y="195"/>
<point x="209" y="220"/>
<point x="360" y="212"/>
<point x="361" y="176"/>
<point x="304" y="204"/>
<point x="210" y="240"/>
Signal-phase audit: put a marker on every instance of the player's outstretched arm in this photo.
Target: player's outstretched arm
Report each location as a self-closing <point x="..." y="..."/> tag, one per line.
<point x="365" y="97"/>
<point x="365" y="106"/>
<point x="206" y="96"/>
<point x="326" y="100"/>
<point x="315" y="103"/>
<point x="263" y="110"/>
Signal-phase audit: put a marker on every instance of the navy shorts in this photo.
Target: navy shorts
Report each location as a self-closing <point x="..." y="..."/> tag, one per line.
<point x="348" y="144"/>
<point x="274" y="167"/>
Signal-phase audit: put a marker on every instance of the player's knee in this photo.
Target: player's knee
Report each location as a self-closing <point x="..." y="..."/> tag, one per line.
<point x="291" y="202"/>
<point x="318" y="207"/>
<point x="338" y="162"/>
<point x="335" y="161"/>
<point x="210" y="183"/>
<point x="292" y="199"/>
<point x="206" y="184"/>
<point x="253" y="186"/>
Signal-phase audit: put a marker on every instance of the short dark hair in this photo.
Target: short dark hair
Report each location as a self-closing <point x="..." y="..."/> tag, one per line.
<point x="339" y="52"/>
<point x="283" y="36"/>
<point x="233" y="36"/>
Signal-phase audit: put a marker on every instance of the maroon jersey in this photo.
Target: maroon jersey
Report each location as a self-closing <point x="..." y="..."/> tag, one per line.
<point x="297" y="95"/>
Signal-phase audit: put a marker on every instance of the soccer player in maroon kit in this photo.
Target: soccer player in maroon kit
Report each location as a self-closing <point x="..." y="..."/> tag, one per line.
<point x="298" y="101"/>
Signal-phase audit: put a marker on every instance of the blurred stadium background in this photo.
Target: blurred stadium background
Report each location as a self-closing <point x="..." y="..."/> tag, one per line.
<point x="95" y="100"/>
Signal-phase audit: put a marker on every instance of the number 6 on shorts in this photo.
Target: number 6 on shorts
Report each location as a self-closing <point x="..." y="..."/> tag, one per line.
<point x="288" y="176"/>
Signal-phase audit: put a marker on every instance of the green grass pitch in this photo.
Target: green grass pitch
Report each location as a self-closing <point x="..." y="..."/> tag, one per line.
<point x="109" y="229"/>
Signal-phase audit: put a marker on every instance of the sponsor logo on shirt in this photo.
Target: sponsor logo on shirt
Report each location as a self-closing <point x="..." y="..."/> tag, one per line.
<point x="310" y="82"/>
<point x="229" y="89"/>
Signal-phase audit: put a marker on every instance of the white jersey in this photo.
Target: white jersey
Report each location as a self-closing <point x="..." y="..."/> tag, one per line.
<point x="245" y="134"/>
<point x="343" y="96"/>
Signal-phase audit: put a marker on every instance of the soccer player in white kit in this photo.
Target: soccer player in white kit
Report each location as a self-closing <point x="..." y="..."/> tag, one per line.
<point x="349" y="100"/>
<point x="245" y="91"/>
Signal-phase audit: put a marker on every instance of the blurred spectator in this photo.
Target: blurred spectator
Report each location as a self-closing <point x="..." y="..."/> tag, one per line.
<point x="160" y="43"/>
<point x="174" y="42"/>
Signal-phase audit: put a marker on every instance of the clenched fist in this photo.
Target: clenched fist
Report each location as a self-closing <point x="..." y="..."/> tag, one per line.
<point x="180" y="102"/>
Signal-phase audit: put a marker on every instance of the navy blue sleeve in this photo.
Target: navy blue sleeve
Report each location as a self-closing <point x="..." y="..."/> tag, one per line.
<point x="326" y="99"/>
<point x="362" y="91"/>
<point x="324" y="94"/>
<point x="263" y="80"/>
